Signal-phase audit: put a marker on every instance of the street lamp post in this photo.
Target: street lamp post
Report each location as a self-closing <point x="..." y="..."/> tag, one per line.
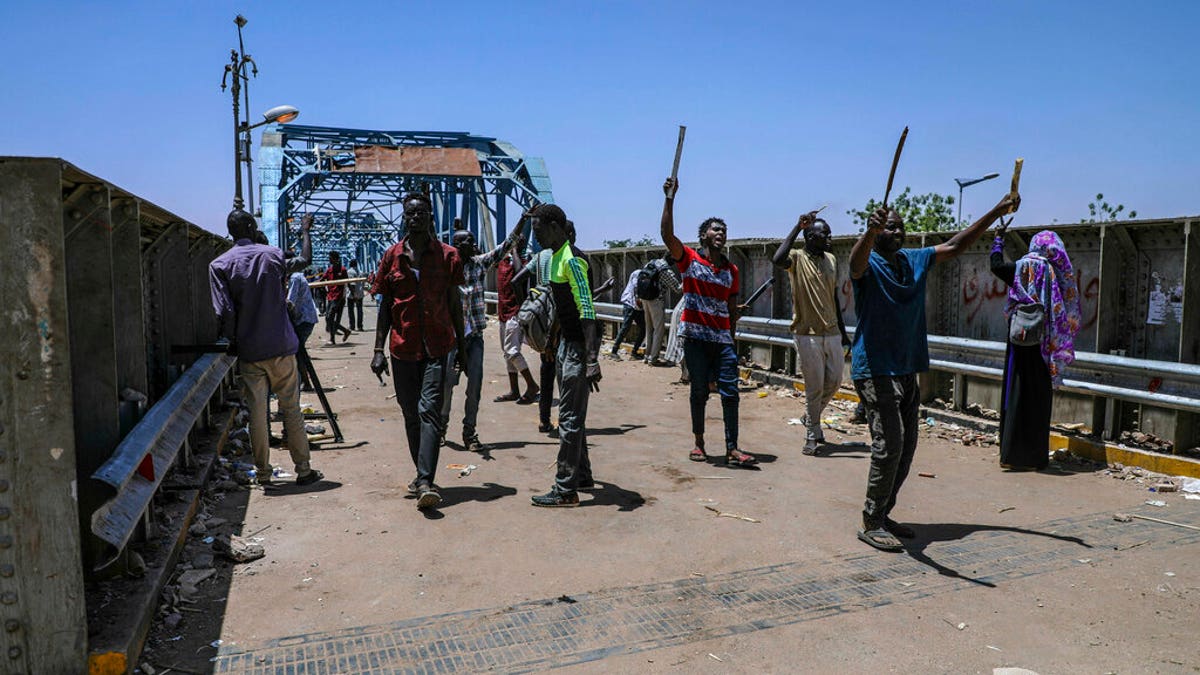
<point x="968" y="182"/>
<point x="238" y="80"/>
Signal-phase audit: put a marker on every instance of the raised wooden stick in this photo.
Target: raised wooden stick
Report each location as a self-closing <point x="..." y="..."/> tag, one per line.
<point x="895" y="161"/>
<point x="335" y="282"/>
<point x="1016" y="182"/>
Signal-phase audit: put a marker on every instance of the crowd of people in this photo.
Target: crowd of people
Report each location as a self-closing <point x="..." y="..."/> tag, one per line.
<point x="430" y="328"/>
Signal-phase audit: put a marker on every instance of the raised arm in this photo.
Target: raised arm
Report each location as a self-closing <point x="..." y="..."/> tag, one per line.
<point x="301" y="261"/>
<point x="1005" y="271"/>
<point x="783" y="254"/>
<point x="860" y="255"/>
<point x="959" y="243"/>
<point x="667" y="226"/>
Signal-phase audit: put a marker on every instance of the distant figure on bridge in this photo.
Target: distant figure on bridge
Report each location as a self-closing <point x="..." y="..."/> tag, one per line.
<point x="474" y="309"/>
<point x="631" y="306"/>
<point x="656" y="279"/>
<point x="354" y="298"/>
<point x="246" y="283"/>
<point x="336" y="297"/>
<point x="508" y="302"/>
<point x="577" y="361"/>
<point x="890" y="348"/>
<point x="420" y="320"/>
<point x="1044" y="318"/>
<point x="817" y="325"/>
<point x="708" y="324"/>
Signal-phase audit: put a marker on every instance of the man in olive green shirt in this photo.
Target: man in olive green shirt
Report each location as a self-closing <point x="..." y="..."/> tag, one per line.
<point x="817" y="325"/>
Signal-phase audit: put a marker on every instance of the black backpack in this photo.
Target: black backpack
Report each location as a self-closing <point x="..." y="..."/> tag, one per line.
<point x="647" y="283"/>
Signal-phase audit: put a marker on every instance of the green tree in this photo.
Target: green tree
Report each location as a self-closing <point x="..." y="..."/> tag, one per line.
<point x="626" y="243"/>
<point x="1101" y="211"/>
<point x="929" y="212"/>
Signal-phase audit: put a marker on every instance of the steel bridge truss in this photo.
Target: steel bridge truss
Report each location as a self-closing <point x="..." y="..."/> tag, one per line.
<point x="357" y="203"/>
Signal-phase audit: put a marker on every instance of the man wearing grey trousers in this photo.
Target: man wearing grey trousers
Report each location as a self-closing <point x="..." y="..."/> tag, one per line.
<point x="817" y="325"/>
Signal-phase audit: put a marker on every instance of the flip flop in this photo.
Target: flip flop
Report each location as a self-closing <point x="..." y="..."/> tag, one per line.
<point x="881" y="539"/>
<point x="739" y="458"/>
<point x="505" y="398"/>
<point x="697" y="455"/>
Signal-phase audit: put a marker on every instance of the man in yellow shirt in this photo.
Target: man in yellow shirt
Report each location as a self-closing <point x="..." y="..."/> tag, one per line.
<point x="817" y="325"/>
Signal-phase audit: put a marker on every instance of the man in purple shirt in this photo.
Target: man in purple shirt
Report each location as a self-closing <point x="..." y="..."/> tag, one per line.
<point x="246" y="283"/>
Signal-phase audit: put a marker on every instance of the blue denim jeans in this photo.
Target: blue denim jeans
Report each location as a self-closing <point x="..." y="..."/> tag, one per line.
<point x="708" y="361"/>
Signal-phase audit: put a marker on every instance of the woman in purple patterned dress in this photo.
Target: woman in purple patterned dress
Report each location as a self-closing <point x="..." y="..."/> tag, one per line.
<point x="1043" y="277"/>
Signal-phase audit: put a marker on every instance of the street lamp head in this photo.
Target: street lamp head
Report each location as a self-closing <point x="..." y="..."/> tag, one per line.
<point x="967" y="182"/>
<point x="240" y="20"/>
<point x="281" y="114"/>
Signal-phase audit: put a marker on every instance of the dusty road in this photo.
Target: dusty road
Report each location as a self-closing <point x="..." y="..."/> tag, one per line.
<point x="1008" y="569"/>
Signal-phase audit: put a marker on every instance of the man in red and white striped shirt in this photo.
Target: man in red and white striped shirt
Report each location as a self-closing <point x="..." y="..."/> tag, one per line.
<point x="707" y="322"/>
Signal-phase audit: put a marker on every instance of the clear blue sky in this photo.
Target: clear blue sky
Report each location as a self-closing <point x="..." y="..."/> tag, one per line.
<point x="787" y="107"/>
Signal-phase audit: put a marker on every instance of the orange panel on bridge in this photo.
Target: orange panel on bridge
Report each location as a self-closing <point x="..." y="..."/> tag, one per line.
<point x="414" y="160"/>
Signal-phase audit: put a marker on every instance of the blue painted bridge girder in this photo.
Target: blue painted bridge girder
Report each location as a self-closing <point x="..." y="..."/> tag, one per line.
<point x="359" y="213"/>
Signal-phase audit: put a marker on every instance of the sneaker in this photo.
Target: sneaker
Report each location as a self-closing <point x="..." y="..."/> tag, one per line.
<point x="545" y="428"/>
<point x="554" y="498"/>
<point x="428" y="497"/>
<point x="472" y="443"/>
<point x="309" y="478"/>
<point x="414" y="489"/>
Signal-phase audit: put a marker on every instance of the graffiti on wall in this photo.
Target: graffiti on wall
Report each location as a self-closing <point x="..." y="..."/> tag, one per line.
<point x="983" y="290"/>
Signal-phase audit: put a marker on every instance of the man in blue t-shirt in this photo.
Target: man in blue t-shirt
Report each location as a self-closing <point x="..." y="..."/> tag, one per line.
<point x="890" y="348"/>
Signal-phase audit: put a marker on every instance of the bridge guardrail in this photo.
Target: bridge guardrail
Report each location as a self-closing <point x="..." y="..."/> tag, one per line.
<point x="1165" y="384"/>
<point x="157" y="437"/>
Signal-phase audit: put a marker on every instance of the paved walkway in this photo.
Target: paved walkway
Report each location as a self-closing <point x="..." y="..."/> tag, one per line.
<point x="1008" y="569"/>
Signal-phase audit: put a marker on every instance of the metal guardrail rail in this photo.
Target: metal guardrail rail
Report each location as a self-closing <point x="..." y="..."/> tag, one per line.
<point x="1165" y="384"/>
<point x="158" y="437"/>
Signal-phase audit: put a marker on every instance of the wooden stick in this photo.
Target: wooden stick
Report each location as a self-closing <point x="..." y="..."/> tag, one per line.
<point x="1016" y="181"/>
<point x="335" y="282"/>
<point x="760" y="290"/>
<point x="678" y="151"/>
<point x="895" y="161"/>
<point x="1164" y="522"/>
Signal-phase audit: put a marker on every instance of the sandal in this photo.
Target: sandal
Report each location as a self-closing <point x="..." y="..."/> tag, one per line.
<point x="697" y="455"/>
<point x="880" y="539"/>
<point x="738" y="458"/>
<point x="529" y="399"/>
<point x="505" y="398"/>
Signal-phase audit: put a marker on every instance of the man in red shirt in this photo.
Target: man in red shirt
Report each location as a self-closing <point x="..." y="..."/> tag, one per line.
<point x="336" y="295"/>
<point x="421" y="321"/>
<point x="508" y="302"/>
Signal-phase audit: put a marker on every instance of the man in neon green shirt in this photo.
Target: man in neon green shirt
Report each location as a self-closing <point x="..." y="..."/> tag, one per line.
<point x="577" y="362"/>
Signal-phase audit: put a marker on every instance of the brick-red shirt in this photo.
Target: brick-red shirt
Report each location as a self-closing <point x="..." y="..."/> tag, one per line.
<point x="507" y="303"/>
<point x="336" y="291"/>
<point x="421" y="324"/>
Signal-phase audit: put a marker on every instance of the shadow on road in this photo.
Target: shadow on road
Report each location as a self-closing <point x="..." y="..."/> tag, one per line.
<point x="609" y="494"/>
<point x="851" y="450"/>
<point x="290" y="488"/>
<point x="930" y="533"/>
<point x="452" y="496"/>
<point x="614" y="431"/>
